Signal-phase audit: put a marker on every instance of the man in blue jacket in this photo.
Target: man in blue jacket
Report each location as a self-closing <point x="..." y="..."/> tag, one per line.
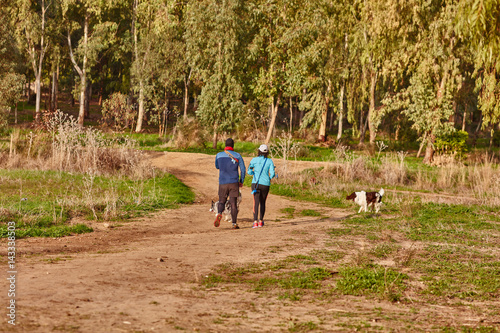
<point x="228" y="162"/>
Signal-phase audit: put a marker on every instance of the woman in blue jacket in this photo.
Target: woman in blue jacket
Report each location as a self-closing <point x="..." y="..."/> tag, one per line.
<point x="262" y="169"/>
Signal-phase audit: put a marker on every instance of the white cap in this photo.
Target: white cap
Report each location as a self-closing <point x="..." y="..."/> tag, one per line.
<point x="263" y="148"/>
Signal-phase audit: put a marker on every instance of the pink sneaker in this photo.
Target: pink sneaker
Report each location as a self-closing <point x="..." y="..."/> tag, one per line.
<point x="255" y="224"/>
<point x="261" y="224"/>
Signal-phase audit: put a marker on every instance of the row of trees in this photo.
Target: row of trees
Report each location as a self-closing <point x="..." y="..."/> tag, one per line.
<point x="421" y="63"/>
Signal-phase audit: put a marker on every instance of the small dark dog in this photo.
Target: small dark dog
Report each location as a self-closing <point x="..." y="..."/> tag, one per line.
<point x="366" y="199"/>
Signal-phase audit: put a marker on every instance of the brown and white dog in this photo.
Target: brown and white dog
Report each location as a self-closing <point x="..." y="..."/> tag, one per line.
<point x="366" y="199"/>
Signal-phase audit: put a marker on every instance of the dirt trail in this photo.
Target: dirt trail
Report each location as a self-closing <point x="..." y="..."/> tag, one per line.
<point x="112" y="279"/>
<point x="141" y="277"/>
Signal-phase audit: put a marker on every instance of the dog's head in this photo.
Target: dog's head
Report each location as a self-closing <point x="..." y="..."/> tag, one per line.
<point x="351" y="196"/>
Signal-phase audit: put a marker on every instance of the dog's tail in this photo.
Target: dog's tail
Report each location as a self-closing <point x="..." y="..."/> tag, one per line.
<point x="381" y="192"/>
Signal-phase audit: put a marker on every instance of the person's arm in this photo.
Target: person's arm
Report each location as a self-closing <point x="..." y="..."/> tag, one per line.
<point x="272" y="171"/>
<point x="250" y="168"/>
<point x="242" y="169"/>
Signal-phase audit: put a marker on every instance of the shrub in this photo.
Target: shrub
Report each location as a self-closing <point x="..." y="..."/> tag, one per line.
<point x="454" y="143"/>
<point x="117" y="112"/>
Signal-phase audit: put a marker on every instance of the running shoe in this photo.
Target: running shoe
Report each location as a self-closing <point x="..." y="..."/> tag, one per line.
<point x="261" y="224"/>
<point x="217" y="220"/>
<point x="235" y="226"/>
<point x="255" y="224"/>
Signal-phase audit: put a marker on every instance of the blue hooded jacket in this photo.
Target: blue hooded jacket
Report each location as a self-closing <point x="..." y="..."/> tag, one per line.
<point x="228" y="167"/>
<point x="266" y="165"/>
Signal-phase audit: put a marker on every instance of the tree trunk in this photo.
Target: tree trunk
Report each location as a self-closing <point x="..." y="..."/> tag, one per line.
<point x="464" y="117"/>
<point x="371" y="109"/>
<point x="140" y="115"/>
<point x="214" y="139"/>
<point x="55" y="87"/>
<point x="324" y="114"/>
<point x="29" y="87"/>
<point x="274" y="113"/>
<point x="362" y="128"/>
<point x="81" y="71"/>
<point x="291" y="114"/>
<point x="37" y="68"/>
<point x="38" y="92"/>
<point x="429" y="150"/>
<point x="187" y="80"/>
<point x="101" y="93"/>
<point x="341" y="111"/>
<point x="398" y="126"/>
<point x="88" y="96"/>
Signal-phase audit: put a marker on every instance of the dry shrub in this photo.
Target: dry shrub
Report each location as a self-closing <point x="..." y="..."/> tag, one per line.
<point x="69" y="147"/>
<point x="80" y="149"/>
<point x="308" y="135"/>
<point x="188" y="133"/>
<point x="453" y="176"/>
<point x="444" y="159"/>
<point x="254" y="136"/>
<point x="251" y="127"/>
<point x="393" y="169"/>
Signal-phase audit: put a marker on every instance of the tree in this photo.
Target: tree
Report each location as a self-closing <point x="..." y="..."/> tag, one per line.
<point x="32" y="30"/>
<point x="434" y="77"/>
<point x="271" y="49"/>
<point x="83" y="17"/>
<point x="11" y="81"/>
<point x="325" y="60"/>
<point x="478" y="22"/>
<point x="215" y="36"/>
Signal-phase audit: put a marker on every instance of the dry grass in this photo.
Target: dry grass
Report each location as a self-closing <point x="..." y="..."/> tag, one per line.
<point x="69" y="147"/>
<point x="348" y="172"/>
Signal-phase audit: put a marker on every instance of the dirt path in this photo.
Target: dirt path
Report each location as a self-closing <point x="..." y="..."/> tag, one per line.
<point x="141" y="277"/>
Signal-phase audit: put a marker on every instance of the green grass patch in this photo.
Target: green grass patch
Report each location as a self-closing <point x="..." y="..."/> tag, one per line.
<point x="455" y="272"/>
<point x="41" y="202"/>
<point x="372" y="280"/>
<point x="310" y="212"/>
<point x="288" y="211"/>
<point x="453" y="224"/>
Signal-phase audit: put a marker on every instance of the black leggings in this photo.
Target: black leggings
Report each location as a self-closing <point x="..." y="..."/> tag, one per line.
<point x="259" y="198"/>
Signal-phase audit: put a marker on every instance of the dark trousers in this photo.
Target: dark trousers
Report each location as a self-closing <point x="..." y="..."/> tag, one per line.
<point x="231" y="190"/>
<point x="259" y="199"/>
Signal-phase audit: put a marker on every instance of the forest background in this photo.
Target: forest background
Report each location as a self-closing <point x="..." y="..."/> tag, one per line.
<point x="413" y="70"/>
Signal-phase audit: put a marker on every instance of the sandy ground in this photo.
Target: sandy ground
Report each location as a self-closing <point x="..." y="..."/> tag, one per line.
<point x="142" y="276"/>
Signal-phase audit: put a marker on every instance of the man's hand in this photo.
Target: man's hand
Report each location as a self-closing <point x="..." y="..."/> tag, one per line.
<point x="241" y="184"/>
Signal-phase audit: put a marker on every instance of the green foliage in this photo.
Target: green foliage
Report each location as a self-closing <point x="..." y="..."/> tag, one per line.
<point x="456" y="142"/>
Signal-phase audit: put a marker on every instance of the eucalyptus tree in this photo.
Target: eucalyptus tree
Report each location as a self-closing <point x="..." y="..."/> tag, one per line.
<point x="11" y="81"/>
<point x="215" y="40"/>
<point x="161" y="62"/>
<point x="325" y="59"/>
<point x="374" y="37"/>
<point x="83" y="21"/>
<point x="150" y="23"/>
<point x="274" y="44"/>
<point x="479" y="22"/>
<point x="434" y="72"/>
<point x="31" y="21"/>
